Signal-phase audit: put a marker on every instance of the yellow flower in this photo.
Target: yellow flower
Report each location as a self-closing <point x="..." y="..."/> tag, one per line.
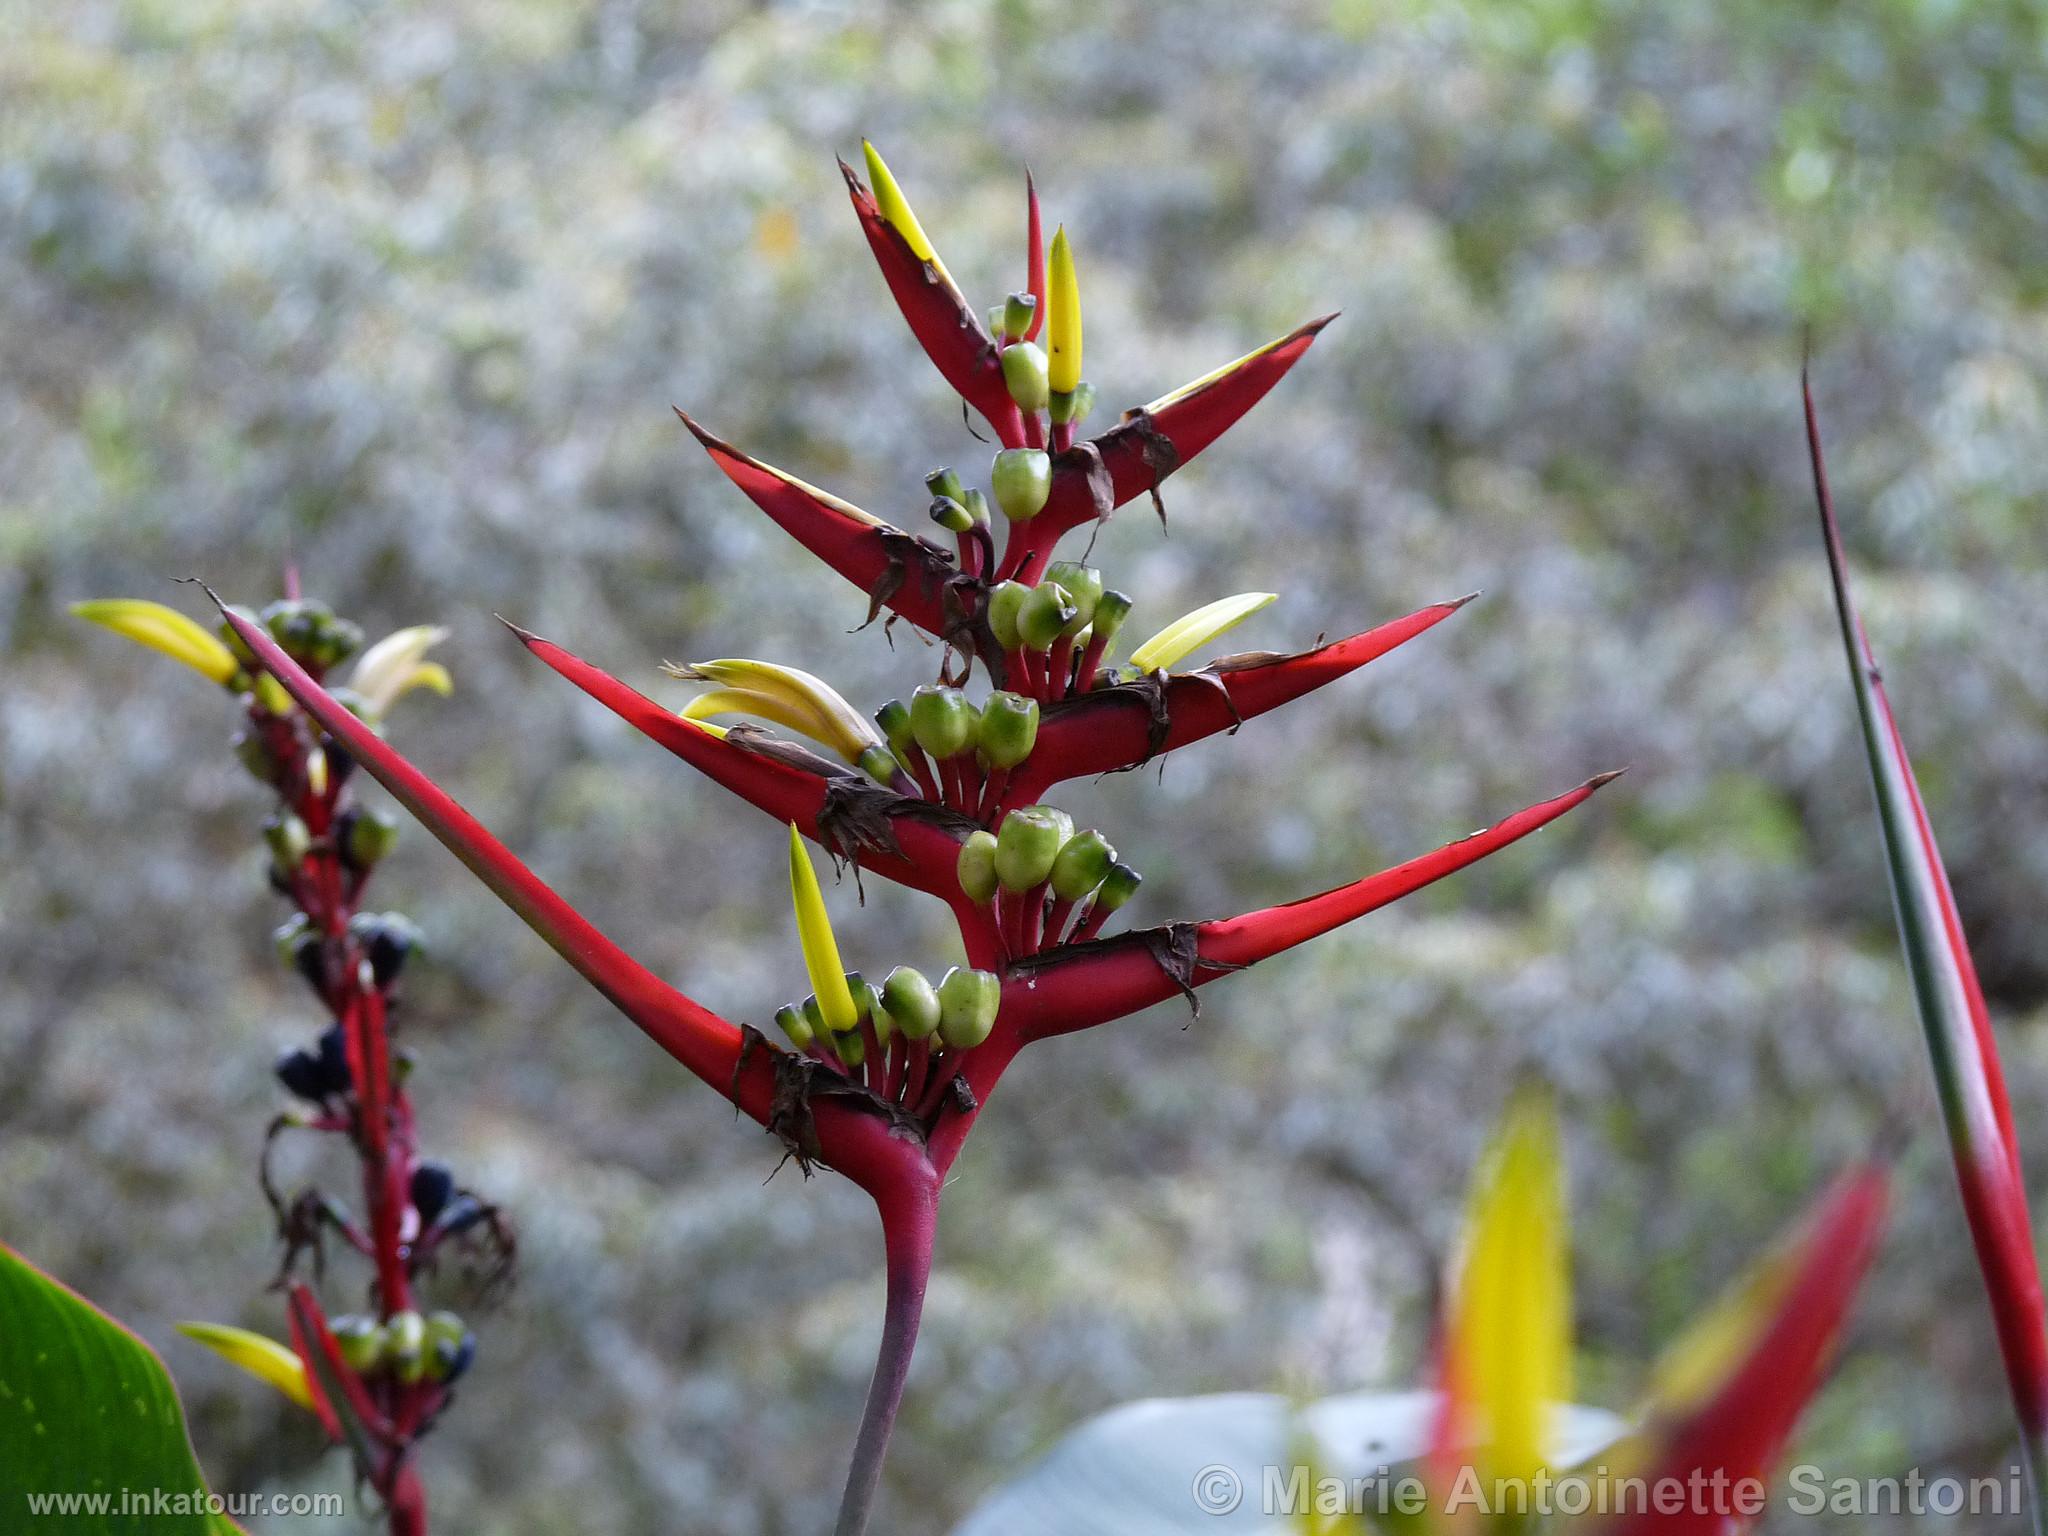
<point x="263" y="1358"/>
<point x="814" y="933"/>
<point x="165" y="630"/>
<point x="396" y="665"/>
<point x="1063" y="318"/>
<point x="1190" y="630"/>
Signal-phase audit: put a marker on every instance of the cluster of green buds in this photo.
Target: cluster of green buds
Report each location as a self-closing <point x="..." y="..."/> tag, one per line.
<point x="408" y="1348"/>
<point x="958" y="753"/>
<point x="903" y="1040"/>
<point x="1049" y="884"/>
<point x="1055" y="635"/>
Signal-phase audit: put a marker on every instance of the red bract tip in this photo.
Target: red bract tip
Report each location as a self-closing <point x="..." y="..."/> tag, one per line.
<point x="1741" y="1428"/>
<point x="1092" y="984"/>
<point x="895" y="569"/>
<point x="1150" y="443"/>
<point x="943" y="322"/>
<point x="1953" y="1015"/>
<point x="1034" y="257"/>
<point x="904" y="846"/>
<point x="1116" y="728"/>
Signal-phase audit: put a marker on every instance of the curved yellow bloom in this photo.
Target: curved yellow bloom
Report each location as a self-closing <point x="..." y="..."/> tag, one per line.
<point x="263" y="1358"/>
<point x="1509" y="1339"/>
<point x="789" y="697"/>
<point x="164" y="630"/>
<point x="1063" y="317"/>
<point x="396" y="665"/>
<point x="1190" y="630"/>
<point x="814" y="932"/>
<point x="895" y="209"/>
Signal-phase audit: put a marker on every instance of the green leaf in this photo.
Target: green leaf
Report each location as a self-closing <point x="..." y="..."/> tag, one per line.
<point x="1133" y="1471"/>
<point x="86" y="1408"/>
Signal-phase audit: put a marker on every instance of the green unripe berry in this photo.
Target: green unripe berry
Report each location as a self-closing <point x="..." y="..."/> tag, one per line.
<point x="1009" y="728"/>
<point x="1111" y="609"/>
<point x="814" y="1019"/>
<point x="943" y="720"/>
<point x="1083" y="864"/>
<point x="944" y="482"/>
<point x="254" y="754"/>
<point x="1022" y="481"/>
<point x="977" y="867"/>
<point x="1067" y="410"/>
<point x="362" y="1343"/>
<point x="1006" y="601"/>
<point x="1017" y="312"/>
<point x="879" y="764"/>
<point x="1026" y="846"/>
<point x="850" y="1048"/>
<point x="405" y="1346"/>
<point x="977" y="508"/>
<point x="968" y="1001"/>
<point x="289" y="842"/>
<point x="911" y="1001"/>
<point x="951" y="515"/>
<point x="1083" y="586"/>
<point x="1118" y="887"/>
<point x="893" y="719"/>
<point x="371" y="835"/>
<point x="791" y="1021"/>
<point x="1024" y="371"/>
<point x="1044" y="616"/>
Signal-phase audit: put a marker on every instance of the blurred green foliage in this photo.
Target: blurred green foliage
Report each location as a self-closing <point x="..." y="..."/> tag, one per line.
<point x="404" y="292"/>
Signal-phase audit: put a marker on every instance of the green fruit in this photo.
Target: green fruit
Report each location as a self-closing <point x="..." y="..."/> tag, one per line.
<point x="1027" y="844"/>
<point x="977" y="867"/>
<point x="1025" y="372"/>
<point x="968" y="1001"/>
<point x="911" y="1001"/>
<point x="1022" y="481"/>
<point x="1009" y="729"/>
<point x="1083" y="864"/>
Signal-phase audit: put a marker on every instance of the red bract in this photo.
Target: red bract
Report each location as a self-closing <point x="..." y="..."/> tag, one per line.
<point x="1115" y="729"/>
<point x="1956" y="1023"/>
<point x="932" y="795"/>
<point x="1737" y="1432"/>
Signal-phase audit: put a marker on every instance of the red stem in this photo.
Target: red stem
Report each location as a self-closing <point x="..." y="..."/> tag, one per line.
<point x="909" y="1223"/>
<point x="1058" y="667"/>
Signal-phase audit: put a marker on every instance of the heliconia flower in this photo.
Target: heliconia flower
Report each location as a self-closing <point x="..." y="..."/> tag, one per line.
<point x="1727" y="1397"/>
<point x="264" y="1358"/>
<point x="1063" y="322"/>
<point x="1508" y="1337"/>
<point x="396" y="665"/>
<point x="1953" y="1016"/>
<point x="1192" y="630"/>
<point x="814" y="933"/>
<point x="785" y="695"/>
<point x="164" y="630"/>
<point x="1094" y="733"/>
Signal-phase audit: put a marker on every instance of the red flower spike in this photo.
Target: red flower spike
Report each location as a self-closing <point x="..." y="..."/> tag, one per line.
<point x="1034" y="257"/>
<point x="1110" y="731"/>
<point x="857" y="1144"/>
<point x="872" y="554"/>
<point x="1741" y="1429"/>
<point x="1080" y="988"/>
<point x="940" y="317"/>
<point x="1953" y="1015"/>
<point x="1189" y="420"/>
<point x="784" y="791"/>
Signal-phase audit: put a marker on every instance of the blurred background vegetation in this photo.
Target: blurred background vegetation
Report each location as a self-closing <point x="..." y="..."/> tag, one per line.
<point x="404" y="293"/>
